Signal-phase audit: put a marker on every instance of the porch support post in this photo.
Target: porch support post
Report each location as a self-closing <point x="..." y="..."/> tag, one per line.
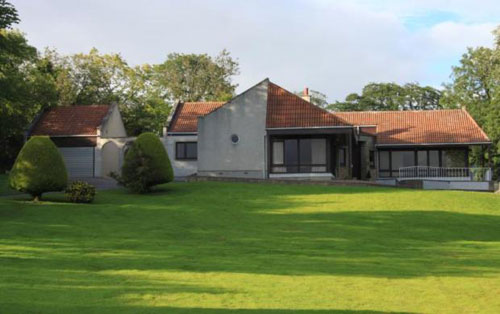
<point x="482" y="155"/>
<point x="268" y="155"/>
<point x="467" y="157"/>
<point x="350" y="153"/>
<point x="490" y="160"/>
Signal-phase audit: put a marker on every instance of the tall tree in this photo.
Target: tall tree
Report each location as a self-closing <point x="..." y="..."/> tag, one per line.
<point x="88" y="79"/>
<point x="26" y="86"/>
<point x="8" y="14"/>
<point x="199" y="77"/>
<point x="476" y="85"/>
<point x="391" y="96"/>
<point x="94" y="78"/>
<point x="146" y="101"/>
<point x="496" y="33"/>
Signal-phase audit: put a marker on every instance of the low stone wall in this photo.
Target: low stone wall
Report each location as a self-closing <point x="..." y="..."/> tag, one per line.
<point x="411" y="184"/>
<point x="457" y="185"/>
<point x="285" y="181"/>
<point x="439" y="185"/>
<point x="446" y="185"/>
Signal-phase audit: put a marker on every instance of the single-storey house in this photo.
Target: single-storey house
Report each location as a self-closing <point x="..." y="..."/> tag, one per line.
<point x="269" y="132"/>
<point x="91" y="139"/>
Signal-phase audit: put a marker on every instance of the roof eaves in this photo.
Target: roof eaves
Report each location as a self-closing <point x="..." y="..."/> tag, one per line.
<point x="74" y="135"/>
<point x="181" y="133"/>
<point x="313" y="127"/>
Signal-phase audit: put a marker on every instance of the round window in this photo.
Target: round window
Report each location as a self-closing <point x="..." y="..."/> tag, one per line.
<point x="235" y="138"/>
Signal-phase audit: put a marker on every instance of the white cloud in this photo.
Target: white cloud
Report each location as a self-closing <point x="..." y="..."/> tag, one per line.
<point x="452" y="36"/>
<point x="332" y="46"/>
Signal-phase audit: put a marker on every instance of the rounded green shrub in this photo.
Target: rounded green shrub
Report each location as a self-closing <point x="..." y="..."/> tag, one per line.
<point x="146" y="164"/>
<point x="80" y="192"/>
<point x="39" y="168"/>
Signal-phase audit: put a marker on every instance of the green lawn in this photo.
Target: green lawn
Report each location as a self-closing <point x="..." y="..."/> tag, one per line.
<point x="253" y="248"/>
<point x="4" y="185"/>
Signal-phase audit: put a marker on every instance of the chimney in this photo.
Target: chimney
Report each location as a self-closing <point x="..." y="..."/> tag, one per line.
<point x="305" y="95"/>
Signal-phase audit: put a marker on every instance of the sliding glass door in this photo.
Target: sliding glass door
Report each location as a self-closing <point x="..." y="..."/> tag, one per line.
<point x="299" y="155"/>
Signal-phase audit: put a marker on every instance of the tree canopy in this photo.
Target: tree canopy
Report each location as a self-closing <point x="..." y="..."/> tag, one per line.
<point x="199" y="77"/>
<point x="27" y="85"/>
<point x="95" y="78"/>
<point x="8" y="14"/>
<point x="476" y="86"/>
<point x="391" y="96"/>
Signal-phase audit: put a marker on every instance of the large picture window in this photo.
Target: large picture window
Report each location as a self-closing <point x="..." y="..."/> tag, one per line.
<point x="390" y="161"/>
<point x="302" y="155"/>
<point x="186" y="151"/>
<point x="400" y="159"/>
<point x="433" y="158"/>
<point x="384" y="163"/>
<point x="453" y="158"/>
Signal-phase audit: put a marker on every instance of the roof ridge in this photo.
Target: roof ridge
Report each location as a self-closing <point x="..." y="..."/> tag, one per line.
<point x="83" y="106"/>
<point x="204" y="102"/>
<point x="391" y="111"/>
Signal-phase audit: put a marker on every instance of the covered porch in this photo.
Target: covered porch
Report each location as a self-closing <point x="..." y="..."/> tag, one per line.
<point x="311" y="153"/>
<point x="444" y="167"/>
<point x="429" y="161"/>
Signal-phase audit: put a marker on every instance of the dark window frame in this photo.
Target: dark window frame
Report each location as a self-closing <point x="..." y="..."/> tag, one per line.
<point x="299" y="165"/>
<point x="183" y="146"/>
<point x="440" y="150"/>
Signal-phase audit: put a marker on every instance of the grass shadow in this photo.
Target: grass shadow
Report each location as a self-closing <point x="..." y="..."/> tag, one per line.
<point x="222" y="228"/>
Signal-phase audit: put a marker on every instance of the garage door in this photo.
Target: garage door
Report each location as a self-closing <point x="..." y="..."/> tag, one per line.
<point x="79" y="161"/>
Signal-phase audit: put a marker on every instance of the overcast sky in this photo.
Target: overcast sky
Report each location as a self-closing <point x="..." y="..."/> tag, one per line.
<point x="335" y="47"/>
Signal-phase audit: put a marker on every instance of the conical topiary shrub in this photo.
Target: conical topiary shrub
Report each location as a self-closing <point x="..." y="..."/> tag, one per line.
<point x="146" y="164"/>
<point x="39" y="168"/>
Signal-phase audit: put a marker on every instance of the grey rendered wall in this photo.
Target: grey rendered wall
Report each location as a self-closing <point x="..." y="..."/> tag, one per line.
<point x="244" y="116"/>
<point x="182" y="168"/>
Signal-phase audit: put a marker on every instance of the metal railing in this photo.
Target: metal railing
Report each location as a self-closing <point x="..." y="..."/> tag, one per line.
<point x="458" y="173"/>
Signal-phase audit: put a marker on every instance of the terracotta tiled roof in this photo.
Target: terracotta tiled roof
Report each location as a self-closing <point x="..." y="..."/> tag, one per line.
<point x="71" y="120"/>
<point x="419" y="127"/>
<point x="287" y="110"/>
<point x="185" y="118"/>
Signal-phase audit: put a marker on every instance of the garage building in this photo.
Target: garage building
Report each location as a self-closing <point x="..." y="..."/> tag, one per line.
<point x="91" y="138"/>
